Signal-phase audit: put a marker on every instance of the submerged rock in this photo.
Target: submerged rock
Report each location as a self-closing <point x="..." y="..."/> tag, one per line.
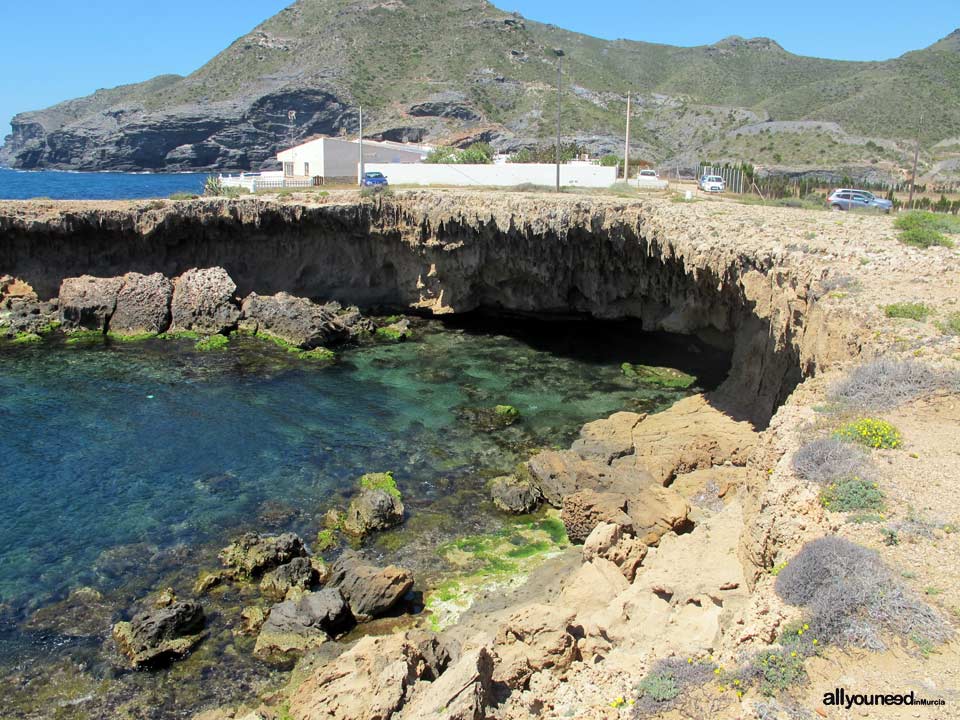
<point x="301" y="322"/>
<point x="160" y="635"/>
<point x="308" y="622"/>
<point x="377" y="507"/>
<point x="143" y="305"/>
<point x="516" y="495"/>
<point x="371" y="591"/>
<point x="203" y="302"/>
<point x="490" y="419"/>
<point x="87" y="302"/>
<point x="252" y="554"/>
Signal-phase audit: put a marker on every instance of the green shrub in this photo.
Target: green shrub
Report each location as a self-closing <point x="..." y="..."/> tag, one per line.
<point x="878" y="434"/>
<point x="908" y="310"/>
<point x="951" y="324"/>
<point x="659" y="687"/>
<point x="924" y="238"/>
<point x="852" y="494"/>
<point x="212" y="186"/>
<point x="666" y="680"/>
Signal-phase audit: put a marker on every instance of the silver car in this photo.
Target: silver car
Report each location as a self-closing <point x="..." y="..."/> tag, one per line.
<point x="849" y="199"/>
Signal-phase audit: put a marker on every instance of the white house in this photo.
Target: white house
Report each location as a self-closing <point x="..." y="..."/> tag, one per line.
<point x="336" y="160"/>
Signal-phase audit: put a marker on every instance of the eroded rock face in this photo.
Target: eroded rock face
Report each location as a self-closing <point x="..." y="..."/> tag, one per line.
<point x="370" y="590"/>
<point x="462" y="692"/>
<point x="558" y="473"/>
<point x="308" y="622"/>
<point x="611" y="542"/>
<point x="373" y="680"/>
<point x="161" y="634"/>
<point x="252" y="554"/>
<point x="534" y="638"/>
<point x="143" y="305"/>
<point x="203" y="302"/>
<point x="87" y="302"/>
<point x="608" y="439"/>
<point x="302" y="322"/>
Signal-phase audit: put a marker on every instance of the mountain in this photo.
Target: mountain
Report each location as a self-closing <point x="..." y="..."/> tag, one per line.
<point x="458" y="71"/>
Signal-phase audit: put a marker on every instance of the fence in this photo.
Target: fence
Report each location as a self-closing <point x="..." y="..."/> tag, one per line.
<point x="264" y="181"/>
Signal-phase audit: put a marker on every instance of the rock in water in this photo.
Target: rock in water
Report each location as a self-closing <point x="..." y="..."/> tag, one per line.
<point x="252" y="554"/>
<point x="371" y="591"/>
<point x="203" y="302"/>
<point x="143" y="305"/>
<point x="298" y="573"/>
<point x="159" y="635"/>
<point x="515" y="495"/>
<point x="377" y="507"/>
<point x="87" y="302"/>
<point x="309" y="622"/>
<point x="301" y="322"/>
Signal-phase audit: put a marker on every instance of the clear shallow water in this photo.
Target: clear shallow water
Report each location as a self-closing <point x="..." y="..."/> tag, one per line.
<point x="23" y="185"/>
<point x="126" y="465"/>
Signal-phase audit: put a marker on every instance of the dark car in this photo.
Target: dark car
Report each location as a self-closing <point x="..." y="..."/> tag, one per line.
<point x="374" y="179"/>
<point x="847" y="199"/>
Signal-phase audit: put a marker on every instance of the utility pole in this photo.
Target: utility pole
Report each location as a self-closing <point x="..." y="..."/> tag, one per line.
<point x="916" y="159"/>
<point x="626" y="146"/>
<point x="559" y="54"/>
<point x="360" y="143"/>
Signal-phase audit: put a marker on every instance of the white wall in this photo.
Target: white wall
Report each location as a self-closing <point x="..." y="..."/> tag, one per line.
<point x="335" y="158"/>
<point x="506" y="175"/>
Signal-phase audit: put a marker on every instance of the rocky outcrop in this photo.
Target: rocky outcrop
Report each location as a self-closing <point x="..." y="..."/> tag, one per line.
<point x="301" y="322"/>
<point x="371" y="591"/>
<point x="648" y="513"/>
<point x="373" y="680"/>
<point x="372" y="510"/>
<point x="88" y="303"/>
<point x="251" y="554"/>
<point x="203" y="301"/>
<point x="142" y="305"/>
<point x="161" y="634"/>
<point x="295" y="626"/>
<point x="462" y="692"/>
<point x="534" y="638"/>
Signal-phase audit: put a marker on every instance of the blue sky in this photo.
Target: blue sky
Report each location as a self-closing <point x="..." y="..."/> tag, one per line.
<point x="54" y="50"/>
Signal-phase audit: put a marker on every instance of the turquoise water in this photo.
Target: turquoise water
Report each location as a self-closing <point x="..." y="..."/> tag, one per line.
<point x="124" y="464"/>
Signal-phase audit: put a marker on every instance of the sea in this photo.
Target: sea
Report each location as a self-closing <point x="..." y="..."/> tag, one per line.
<point x="57" y="185"/>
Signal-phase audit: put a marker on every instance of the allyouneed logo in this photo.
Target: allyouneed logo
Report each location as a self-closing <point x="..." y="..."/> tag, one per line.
<point x="841" y="698"/>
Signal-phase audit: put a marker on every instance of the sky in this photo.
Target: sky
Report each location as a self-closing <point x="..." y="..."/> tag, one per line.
<point x="54" y="50"/>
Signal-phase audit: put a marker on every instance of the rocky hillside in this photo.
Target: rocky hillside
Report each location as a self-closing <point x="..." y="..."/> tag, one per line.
<point x="463" y="70"/>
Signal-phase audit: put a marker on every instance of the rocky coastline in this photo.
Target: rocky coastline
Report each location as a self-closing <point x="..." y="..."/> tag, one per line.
<point x="682" y="520"/>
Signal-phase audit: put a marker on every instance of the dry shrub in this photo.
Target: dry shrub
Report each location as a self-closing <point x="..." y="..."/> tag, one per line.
<point x="887" y="382"/>
<point x="828" y="460"/>
<point x="851" y="597"/>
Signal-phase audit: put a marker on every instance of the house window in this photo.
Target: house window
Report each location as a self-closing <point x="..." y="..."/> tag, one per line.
<point x="288" y="169"/>
<point x="306" y="169"/>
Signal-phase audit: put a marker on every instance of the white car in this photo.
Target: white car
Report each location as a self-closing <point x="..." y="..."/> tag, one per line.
<point x="650" y="179"/>
<point x="713" y="184"/>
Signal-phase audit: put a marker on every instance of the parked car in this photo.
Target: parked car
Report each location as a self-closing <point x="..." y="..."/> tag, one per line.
<point x="712" y="184"/>
<point x="850" y="199"/>
<point x="649" y="179"/>
<point x="374" y="179"/>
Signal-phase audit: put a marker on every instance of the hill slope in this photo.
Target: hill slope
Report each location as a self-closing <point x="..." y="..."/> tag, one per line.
<point x="463" y="70"/>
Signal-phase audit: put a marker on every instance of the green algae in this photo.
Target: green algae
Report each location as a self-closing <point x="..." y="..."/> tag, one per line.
<point x="317" y="354"/>
<point x="132" y="337"/>
<point x="497" y="560"/>
<point x="390" y="333"/>
<point x="326" y="540"/>
<point x="213" y="342"/>
<point x="25" y="338"/>
<point x="380" y="481"/>
<point x="662" y="376"/>
<point x="179" y="335"/>
<point x="83" y="337"/>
